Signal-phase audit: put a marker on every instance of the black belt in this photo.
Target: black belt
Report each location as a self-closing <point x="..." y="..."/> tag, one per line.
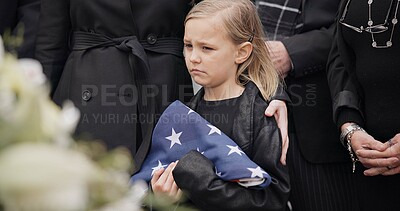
<point x="86" y="40"/>
<point x="168" y="45"/>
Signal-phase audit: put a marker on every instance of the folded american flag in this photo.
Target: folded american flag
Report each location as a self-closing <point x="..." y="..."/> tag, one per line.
<point x="180" y="130"/>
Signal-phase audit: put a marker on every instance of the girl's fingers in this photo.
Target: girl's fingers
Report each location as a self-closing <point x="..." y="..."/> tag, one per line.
<point x="156" y="176"/>
<point x="169" y="182"/>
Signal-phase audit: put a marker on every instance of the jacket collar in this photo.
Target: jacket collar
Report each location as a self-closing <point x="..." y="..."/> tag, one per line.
<point x="243" y="121"/>
<point x="250" y="90"/>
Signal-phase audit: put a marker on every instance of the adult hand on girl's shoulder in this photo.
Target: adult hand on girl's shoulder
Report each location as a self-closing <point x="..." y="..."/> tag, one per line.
<point x="163" y="184"/>
<point x="278" y="109"/>
<point x="388" y="160"/>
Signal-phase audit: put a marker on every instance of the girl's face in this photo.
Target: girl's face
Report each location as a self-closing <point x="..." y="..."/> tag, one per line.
<point x="209" y="53"/>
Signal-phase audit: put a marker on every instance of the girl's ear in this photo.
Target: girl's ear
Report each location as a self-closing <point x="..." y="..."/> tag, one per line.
<point x="243" y="52"/>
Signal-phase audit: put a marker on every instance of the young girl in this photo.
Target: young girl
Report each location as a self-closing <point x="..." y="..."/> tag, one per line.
<point x="226" y="54"/>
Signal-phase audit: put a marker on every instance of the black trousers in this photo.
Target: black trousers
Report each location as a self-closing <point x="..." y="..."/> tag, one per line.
<point x="378" y="192"/>
<point x="319" y="187"/>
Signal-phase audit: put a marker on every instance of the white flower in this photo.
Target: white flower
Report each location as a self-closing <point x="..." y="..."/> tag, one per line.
<point x="33" y="71"/>
<point x="40" y="170"/>
<point x="26" y="111"/>
<point x="7" y="102"/>
<point x="132" y="200"/>
<point x="68" y="119"/>
<point x="1" y="49"/>
<point x="41" y="177"/>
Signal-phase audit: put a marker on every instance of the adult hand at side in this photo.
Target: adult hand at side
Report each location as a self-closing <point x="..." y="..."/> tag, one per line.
<point x="278" y="109"/>
<point x="280" y="57"/>
<point x="163" y="184"/>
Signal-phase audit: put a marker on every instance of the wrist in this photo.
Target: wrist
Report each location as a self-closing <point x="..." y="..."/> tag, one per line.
<point x="348" y="130"/>
<point x="345" y="125"/>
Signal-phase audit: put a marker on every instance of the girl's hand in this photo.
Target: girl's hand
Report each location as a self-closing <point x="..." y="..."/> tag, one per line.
<point x="163" y="184"/>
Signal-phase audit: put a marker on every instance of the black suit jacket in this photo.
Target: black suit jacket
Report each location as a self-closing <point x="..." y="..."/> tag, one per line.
<point x="311" y="107"/>
<point x="21" y="13"/>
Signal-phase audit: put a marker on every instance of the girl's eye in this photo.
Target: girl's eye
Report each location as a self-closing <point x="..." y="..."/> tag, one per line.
<point x="207" y="48"/>
<point x="187" y="45"/>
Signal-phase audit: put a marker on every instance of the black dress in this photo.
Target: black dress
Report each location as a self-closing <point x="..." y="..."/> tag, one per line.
<point x="365" y="86"/>
<point x="376" y="70"/>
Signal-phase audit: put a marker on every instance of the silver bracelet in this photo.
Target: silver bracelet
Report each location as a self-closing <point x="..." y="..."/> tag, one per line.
<point x="354" y="128"/>
<point x="345" y="133"/>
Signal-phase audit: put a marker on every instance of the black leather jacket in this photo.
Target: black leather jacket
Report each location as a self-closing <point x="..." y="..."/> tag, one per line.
<point x="260" y="138"/>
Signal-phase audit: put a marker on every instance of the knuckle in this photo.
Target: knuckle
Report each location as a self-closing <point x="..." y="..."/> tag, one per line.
<point x="157" y="186"/>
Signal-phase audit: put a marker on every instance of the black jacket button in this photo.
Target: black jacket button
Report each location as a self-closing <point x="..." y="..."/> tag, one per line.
<point x="151" y="39"/>
<point x="86" y="95"/>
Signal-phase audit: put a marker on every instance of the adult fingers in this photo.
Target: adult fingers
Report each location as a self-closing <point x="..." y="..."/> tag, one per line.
<point x="278" y="109"/>
<point x="371" y="154"/>
<point x="391" y="171"/>
<point x="379" y="162"/>
<point x="284" y="150"/>
<point x="371" y="143"/>
<point x="386" y="171"/>
<point x="375" y="171"/>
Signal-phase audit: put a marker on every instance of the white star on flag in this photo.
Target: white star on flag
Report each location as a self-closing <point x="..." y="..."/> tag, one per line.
<point x="199" y="151"/>
<point x="174" y="138"/>
<point x="218" y="173"/>
<point x="192" y="132"/>
<point x="160" y="166"/>
<point x="257" y="172"/>
<point x="235" y="149"/>
<point x="213" y="130"/>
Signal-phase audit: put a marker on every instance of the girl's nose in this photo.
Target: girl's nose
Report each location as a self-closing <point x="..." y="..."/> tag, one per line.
<point x="194" y="57"/>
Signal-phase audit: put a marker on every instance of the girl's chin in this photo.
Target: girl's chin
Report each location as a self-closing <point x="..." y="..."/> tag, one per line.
<point x="199" y="80"/>
<point x="201" y="84"/>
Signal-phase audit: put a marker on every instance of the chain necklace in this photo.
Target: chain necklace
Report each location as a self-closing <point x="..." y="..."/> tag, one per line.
<point x="394" y="22"/>
<point x="371" y="28"/>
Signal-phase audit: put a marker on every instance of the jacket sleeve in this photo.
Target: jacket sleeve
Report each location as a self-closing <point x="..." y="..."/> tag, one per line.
<point x="53" y="38"/>
<point x="309" y="51"/>
<point x="195" y="175"/>
<point x="343" y="86"/>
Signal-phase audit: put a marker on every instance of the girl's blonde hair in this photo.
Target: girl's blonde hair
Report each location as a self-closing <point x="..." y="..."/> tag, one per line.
<point x="240" y="20"/>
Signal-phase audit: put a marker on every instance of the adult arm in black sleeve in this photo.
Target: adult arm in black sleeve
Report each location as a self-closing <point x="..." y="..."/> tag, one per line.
<point x="28" y="17"/>
<point x="20" y="19"/>
<point x="53" y="38"/>
<point x="309" y="51"/>
<point x="343" y="85"/>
